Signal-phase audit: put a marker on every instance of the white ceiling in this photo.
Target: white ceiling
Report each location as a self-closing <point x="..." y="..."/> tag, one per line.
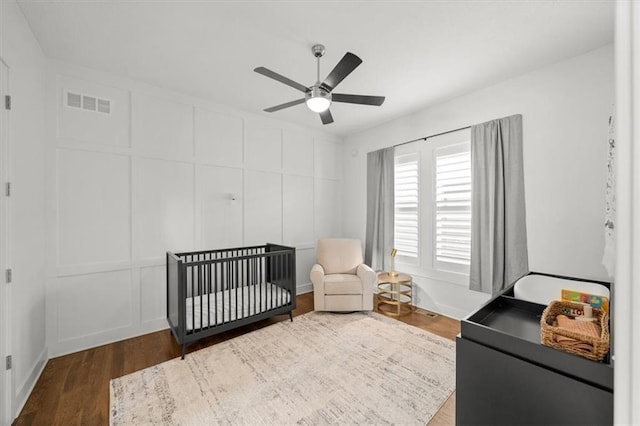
<point x="416" y="53"/>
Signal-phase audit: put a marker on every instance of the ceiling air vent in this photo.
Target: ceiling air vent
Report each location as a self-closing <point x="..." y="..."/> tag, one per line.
<point x="74" y="100"/>
<point x="88" y="103"/>
<point x="104" y="106"/>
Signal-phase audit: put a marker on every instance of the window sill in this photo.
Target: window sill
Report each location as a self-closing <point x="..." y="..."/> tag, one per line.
<point x="453" y="278"/>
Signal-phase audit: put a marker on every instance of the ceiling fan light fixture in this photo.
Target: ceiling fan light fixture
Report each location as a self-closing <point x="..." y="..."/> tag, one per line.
<point x="318" y="99"/>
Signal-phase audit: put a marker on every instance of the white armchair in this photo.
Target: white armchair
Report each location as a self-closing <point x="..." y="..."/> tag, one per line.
<point x="341" y="281"/>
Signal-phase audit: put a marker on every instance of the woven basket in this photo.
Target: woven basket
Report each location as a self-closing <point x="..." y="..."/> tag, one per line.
<point x="548" y="331"/>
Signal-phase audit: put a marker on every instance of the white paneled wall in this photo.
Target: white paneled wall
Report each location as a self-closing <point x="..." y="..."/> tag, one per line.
<point x="93" y="205"/>
<point x="297" y="208"/>
<point x="219" y="203"/>
<point x="164" y="171"/>
<point x="163" y="208"/>
<point x="262" y="207"/>
<point x="219" y="138"/>
<point x="162" y="128"/>
<point x="106" y="303"/>
<point x="99" y="130"/>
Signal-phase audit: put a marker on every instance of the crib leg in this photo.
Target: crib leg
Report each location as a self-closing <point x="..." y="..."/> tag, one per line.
<point x="184" y="348"/>
<point x="291" y="316"/>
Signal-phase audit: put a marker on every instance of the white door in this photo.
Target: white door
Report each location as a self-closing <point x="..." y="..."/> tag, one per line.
<point x="5" y="377"/>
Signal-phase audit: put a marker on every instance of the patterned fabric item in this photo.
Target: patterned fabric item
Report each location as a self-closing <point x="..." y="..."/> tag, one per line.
<point x="320" y="369"/>
<point x="229" y="305"/>
<point x="582" y="327"/>
<point x="609" y="258"/>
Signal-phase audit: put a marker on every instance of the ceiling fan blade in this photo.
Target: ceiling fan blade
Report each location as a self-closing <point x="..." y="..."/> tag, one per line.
<point x="285" y="105"/>
<point x="282" y="79"/>
<point x="357" y="99"/>
<point x="326" y="117"/>
<point x="347" y="64"/>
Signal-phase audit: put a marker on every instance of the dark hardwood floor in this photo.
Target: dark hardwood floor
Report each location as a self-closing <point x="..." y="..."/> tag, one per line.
<point x="74" y="389"/>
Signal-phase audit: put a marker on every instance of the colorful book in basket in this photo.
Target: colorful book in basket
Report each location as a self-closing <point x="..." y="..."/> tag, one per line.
<point x="595" y="300"/>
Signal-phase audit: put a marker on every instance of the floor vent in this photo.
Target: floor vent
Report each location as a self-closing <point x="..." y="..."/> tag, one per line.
<point x="426" y="313"/>
<point x="88" y="103"/>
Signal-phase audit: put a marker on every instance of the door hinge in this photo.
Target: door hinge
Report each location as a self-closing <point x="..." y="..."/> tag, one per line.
<point x="8" y="362"/>
<point x="9" y="275"/>
<point x="7" y="102"/>
<point x="7" y="189"/>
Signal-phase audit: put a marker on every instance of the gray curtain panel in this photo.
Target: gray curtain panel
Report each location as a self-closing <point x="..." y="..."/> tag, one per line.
<point x="379" y="238"/>
<point x="498" y="222"/>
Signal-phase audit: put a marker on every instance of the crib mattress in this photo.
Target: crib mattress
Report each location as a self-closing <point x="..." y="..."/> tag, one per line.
<point x="218" y="308"/>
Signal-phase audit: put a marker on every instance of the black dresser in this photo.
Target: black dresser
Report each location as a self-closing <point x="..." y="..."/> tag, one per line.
<point x="505" y="376"/>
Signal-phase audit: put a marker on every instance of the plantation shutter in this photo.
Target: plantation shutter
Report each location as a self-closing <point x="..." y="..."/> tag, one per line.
<point x="406" y="226"/>
<point x="453" y="204"/>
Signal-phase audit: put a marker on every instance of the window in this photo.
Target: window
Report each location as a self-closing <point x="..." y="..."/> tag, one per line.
<point x="406" y="225"/>
<point x="453" y="207"/>
<point x="433" y="207"/>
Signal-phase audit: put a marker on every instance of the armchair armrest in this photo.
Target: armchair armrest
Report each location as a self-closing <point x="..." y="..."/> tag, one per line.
<point x="317" y="274"/>
<point x="317" y="279"/>
<point x="367" y="276"/>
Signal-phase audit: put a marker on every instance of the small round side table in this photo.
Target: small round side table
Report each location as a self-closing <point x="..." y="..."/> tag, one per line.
<point x="394" y="292"/>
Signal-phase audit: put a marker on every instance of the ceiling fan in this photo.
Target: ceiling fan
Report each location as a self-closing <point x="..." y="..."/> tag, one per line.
<point x="319" y="96"/>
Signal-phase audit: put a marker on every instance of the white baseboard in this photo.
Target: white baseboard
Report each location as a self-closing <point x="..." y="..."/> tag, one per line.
<point x="445" y="310"/>
<point x="452" y="312"/>
<point x="304" y="288"/>
<point x="66" y="347"/>
<point x="24" y="391"/>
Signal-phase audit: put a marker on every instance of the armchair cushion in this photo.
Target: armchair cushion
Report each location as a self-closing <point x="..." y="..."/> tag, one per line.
<point x="342" y="284"/>
<point x="339" y="255"/>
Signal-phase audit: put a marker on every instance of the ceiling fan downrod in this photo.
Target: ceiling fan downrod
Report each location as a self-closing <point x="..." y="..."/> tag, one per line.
<point x="318" y="51"/>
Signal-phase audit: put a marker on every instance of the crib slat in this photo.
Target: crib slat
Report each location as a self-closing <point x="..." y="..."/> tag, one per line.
<point x="235" y="284"/>
<point x="254" y="282"/>
<point x="193" y="304"/>
<point x="208" y="285"/>
<point x="198" y="274"/>
<point x="245" y="275"/>
<point x="215" y="290"/>
<point x="224" y="267"/>
<point x="263" y="304"/>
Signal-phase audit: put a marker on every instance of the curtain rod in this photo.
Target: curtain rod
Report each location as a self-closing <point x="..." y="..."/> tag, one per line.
<point x="432" y="136"/>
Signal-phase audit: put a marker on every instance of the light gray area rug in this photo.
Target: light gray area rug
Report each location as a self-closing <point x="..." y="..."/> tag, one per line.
<point x="322" y="368"/>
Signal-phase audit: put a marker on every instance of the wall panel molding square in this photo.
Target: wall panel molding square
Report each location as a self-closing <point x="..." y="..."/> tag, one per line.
<point x="328" y="159"/>
<point x="95" y="303"/>
<point x="162" y="128"/>
<point x="262" y="207"/>
<point x="153" y="293"/>
<point x="219" y="138"/>
<point x="298" y="209"/>
<point x="328" y="208"/>
<point x="163" y="207"/>
<point x="93" y="208"/>
<point x="297" y="153"/>
<point x="263" y="147"/>
<point x="219" y="202"/>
